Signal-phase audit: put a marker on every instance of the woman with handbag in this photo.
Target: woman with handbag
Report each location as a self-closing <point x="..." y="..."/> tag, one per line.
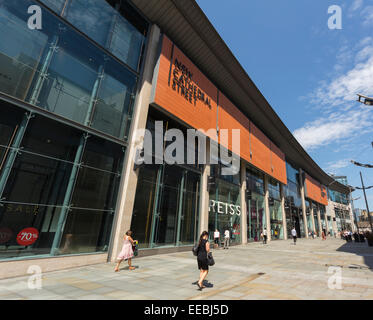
<point x="202" y="259"/>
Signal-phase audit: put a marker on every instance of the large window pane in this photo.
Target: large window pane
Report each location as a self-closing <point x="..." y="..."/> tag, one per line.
<point x="86" y="231"/>
<point x="113" y="110"/>
<point x="52" y="139"/>
<point x="144" y="205"/>
<point x="95" y="189"/>
<point x="103" y="154"/>
<point x="37" y="180"/>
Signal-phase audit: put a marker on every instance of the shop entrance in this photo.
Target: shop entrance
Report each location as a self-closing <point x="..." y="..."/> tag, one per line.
<point x="255" y="219"/>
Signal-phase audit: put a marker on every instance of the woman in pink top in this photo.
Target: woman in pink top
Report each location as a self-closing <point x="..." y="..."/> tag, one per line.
<point x="127" y="251"/>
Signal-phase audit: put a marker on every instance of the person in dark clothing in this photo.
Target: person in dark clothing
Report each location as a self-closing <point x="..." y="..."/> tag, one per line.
<point x="203" y="250"/>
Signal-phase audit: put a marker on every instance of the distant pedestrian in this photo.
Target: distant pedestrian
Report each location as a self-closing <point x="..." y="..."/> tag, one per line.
<point x="294" y="234"/>
<point x="323" y="235"/>
<point x="216" y="238"/>
<point x="226" y="239"/>
<point x="264" y="236"/>
<point x="203" y="250"/>
<point x="127" y="251"/>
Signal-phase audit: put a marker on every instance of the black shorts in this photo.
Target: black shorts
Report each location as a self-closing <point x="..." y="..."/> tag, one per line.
<point x="202" y="264"/>
<point x="216" y="240"/>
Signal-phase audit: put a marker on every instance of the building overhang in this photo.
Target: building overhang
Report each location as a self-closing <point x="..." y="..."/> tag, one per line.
<point x="186" y="24"/>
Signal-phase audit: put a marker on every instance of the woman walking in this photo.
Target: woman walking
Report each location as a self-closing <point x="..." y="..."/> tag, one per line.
<point x="127" y="251"/>
<point x="203" y="250"/>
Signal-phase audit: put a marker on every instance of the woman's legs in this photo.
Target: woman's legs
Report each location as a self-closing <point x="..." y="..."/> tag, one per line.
<point x="129" y="264"/>
<point x="117" y="266"/>
<point x="202" y="276"/>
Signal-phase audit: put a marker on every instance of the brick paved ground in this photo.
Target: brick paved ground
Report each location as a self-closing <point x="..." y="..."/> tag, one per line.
<point x="278" y="270"/>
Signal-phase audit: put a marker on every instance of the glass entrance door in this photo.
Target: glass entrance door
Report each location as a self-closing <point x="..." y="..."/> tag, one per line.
<point x="255" y="218"/>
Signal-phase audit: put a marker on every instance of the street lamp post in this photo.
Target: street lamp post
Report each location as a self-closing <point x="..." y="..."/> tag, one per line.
<point x="366" y="202"/>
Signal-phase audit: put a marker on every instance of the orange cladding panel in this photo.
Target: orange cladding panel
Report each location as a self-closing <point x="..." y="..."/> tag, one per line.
<point x="229" y="117"/>
<point x="261" y="149"/>
<point x="278" y="164"/>
<point x="182" y="90"/>
<point x="315" y="191"/>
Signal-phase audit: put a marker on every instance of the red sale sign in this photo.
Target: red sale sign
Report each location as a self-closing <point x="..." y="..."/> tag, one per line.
<point x="5" y="235"/>
<point x="27" y="236"/>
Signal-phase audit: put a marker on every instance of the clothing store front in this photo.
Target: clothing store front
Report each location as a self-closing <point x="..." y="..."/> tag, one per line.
<point x="277" y="228"/>
<point x="256" y="219"/>
<point x="166" y="209"/>
<point x="317" y="227"/>
<point x="225" y="205"/>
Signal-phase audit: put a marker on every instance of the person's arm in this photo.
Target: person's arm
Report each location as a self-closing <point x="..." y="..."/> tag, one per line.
<point x="208" y="247"/>
<point x="130" y="239"/>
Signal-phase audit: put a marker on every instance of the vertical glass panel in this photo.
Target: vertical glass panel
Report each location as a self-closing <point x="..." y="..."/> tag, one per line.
<point x="113" y="110"/>
<point x="126" y="42"/>
<point x="92" y="17"/>
<point x="276" y="221"/>
<point x="142" y="216"/>
<point x="95" y="189"/>
<point x="86" y="231"/>
<point x="165" y="230"/>
<point x="51" y="138"/>
<point x="225" y="210"/>
<point x="37" y="180"/>
<point x="20" y="49"/>
<point x="189" y="218"/>
<point x="103" y="154"/>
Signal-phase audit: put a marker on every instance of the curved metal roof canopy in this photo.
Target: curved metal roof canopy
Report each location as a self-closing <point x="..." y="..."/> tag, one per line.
<point x="186" y="24"/>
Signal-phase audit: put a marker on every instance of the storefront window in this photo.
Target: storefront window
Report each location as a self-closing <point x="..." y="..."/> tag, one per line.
<point x="277" y="230"/>
<point x="255" y="205"/>
<point x="225" y="210"/>
<point x="59" y="183"/>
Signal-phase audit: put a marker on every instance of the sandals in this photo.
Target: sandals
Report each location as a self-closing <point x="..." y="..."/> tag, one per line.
<point x="200" y="287"/>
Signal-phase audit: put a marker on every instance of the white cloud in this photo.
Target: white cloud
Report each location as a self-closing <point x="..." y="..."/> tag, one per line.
<point x="357" y="4"/>
<point x="334" y="128"/>
<point x="367" y="16"/>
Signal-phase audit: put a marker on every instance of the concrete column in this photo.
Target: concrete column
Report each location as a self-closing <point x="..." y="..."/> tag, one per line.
<point x="204" y="201"/>
<point x="319" y="219"/>
<point x="243" y="204"/>
<point x="283" y="212"/>
<point x="301" y="182"/>
<point x="266" y="207"/>
<point x="128" y="185"/>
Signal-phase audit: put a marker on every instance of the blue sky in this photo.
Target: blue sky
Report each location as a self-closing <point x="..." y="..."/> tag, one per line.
<point x="309" y="73"/>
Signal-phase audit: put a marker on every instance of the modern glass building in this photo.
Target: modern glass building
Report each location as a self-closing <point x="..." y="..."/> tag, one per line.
<point x="74" y="95"/>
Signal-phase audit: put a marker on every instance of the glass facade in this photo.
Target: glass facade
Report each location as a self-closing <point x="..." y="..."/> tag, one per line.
<point x="225" y="210"/>
<point x="59" y="183"/>
<point x="166" y="209"/>
<point x="61" y="71"/>
<point x="275" y="210"/>
<point x="256" y="219"/>
<point x="293" y="202"/>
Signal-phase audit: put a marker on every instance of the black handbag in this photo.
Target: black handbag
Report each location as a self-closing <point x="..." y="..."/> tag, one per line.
<point x="210" y="259"/>
<point x="195" y="249"/>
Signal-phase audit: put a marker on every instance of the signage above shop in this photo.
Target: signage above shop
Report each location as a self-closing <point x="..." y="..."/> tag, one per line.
<point x="182" y="83"/>
<point x="224" y="208"/>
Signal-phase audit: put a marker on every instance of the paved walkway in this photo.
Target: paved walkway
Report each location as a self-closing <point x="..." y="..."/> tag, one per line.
<point x="278" y="270"/>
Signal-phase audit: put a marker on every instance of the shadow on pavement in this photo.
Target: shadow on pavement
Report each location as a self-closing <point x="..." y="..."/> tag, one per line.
<point x="360" y="249"/>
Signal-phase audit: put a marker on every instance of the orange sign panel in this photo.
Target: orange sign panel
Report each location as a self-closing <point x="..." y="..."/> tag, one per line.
<point x="315" y="191"/>
<point x="184" y="91"/>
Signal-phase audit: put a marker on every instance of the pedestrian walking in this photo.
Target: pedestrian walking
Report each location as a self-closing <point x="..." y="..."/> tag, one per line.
<point x="323" y="235"/>
<point x="264" y="236"/>
<point x="203" y="250"/>
<point x="294" y="234"/>
<point x="216" y="238"/>
<point x="226" y="239"/>
<point x="127" y="251"/>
